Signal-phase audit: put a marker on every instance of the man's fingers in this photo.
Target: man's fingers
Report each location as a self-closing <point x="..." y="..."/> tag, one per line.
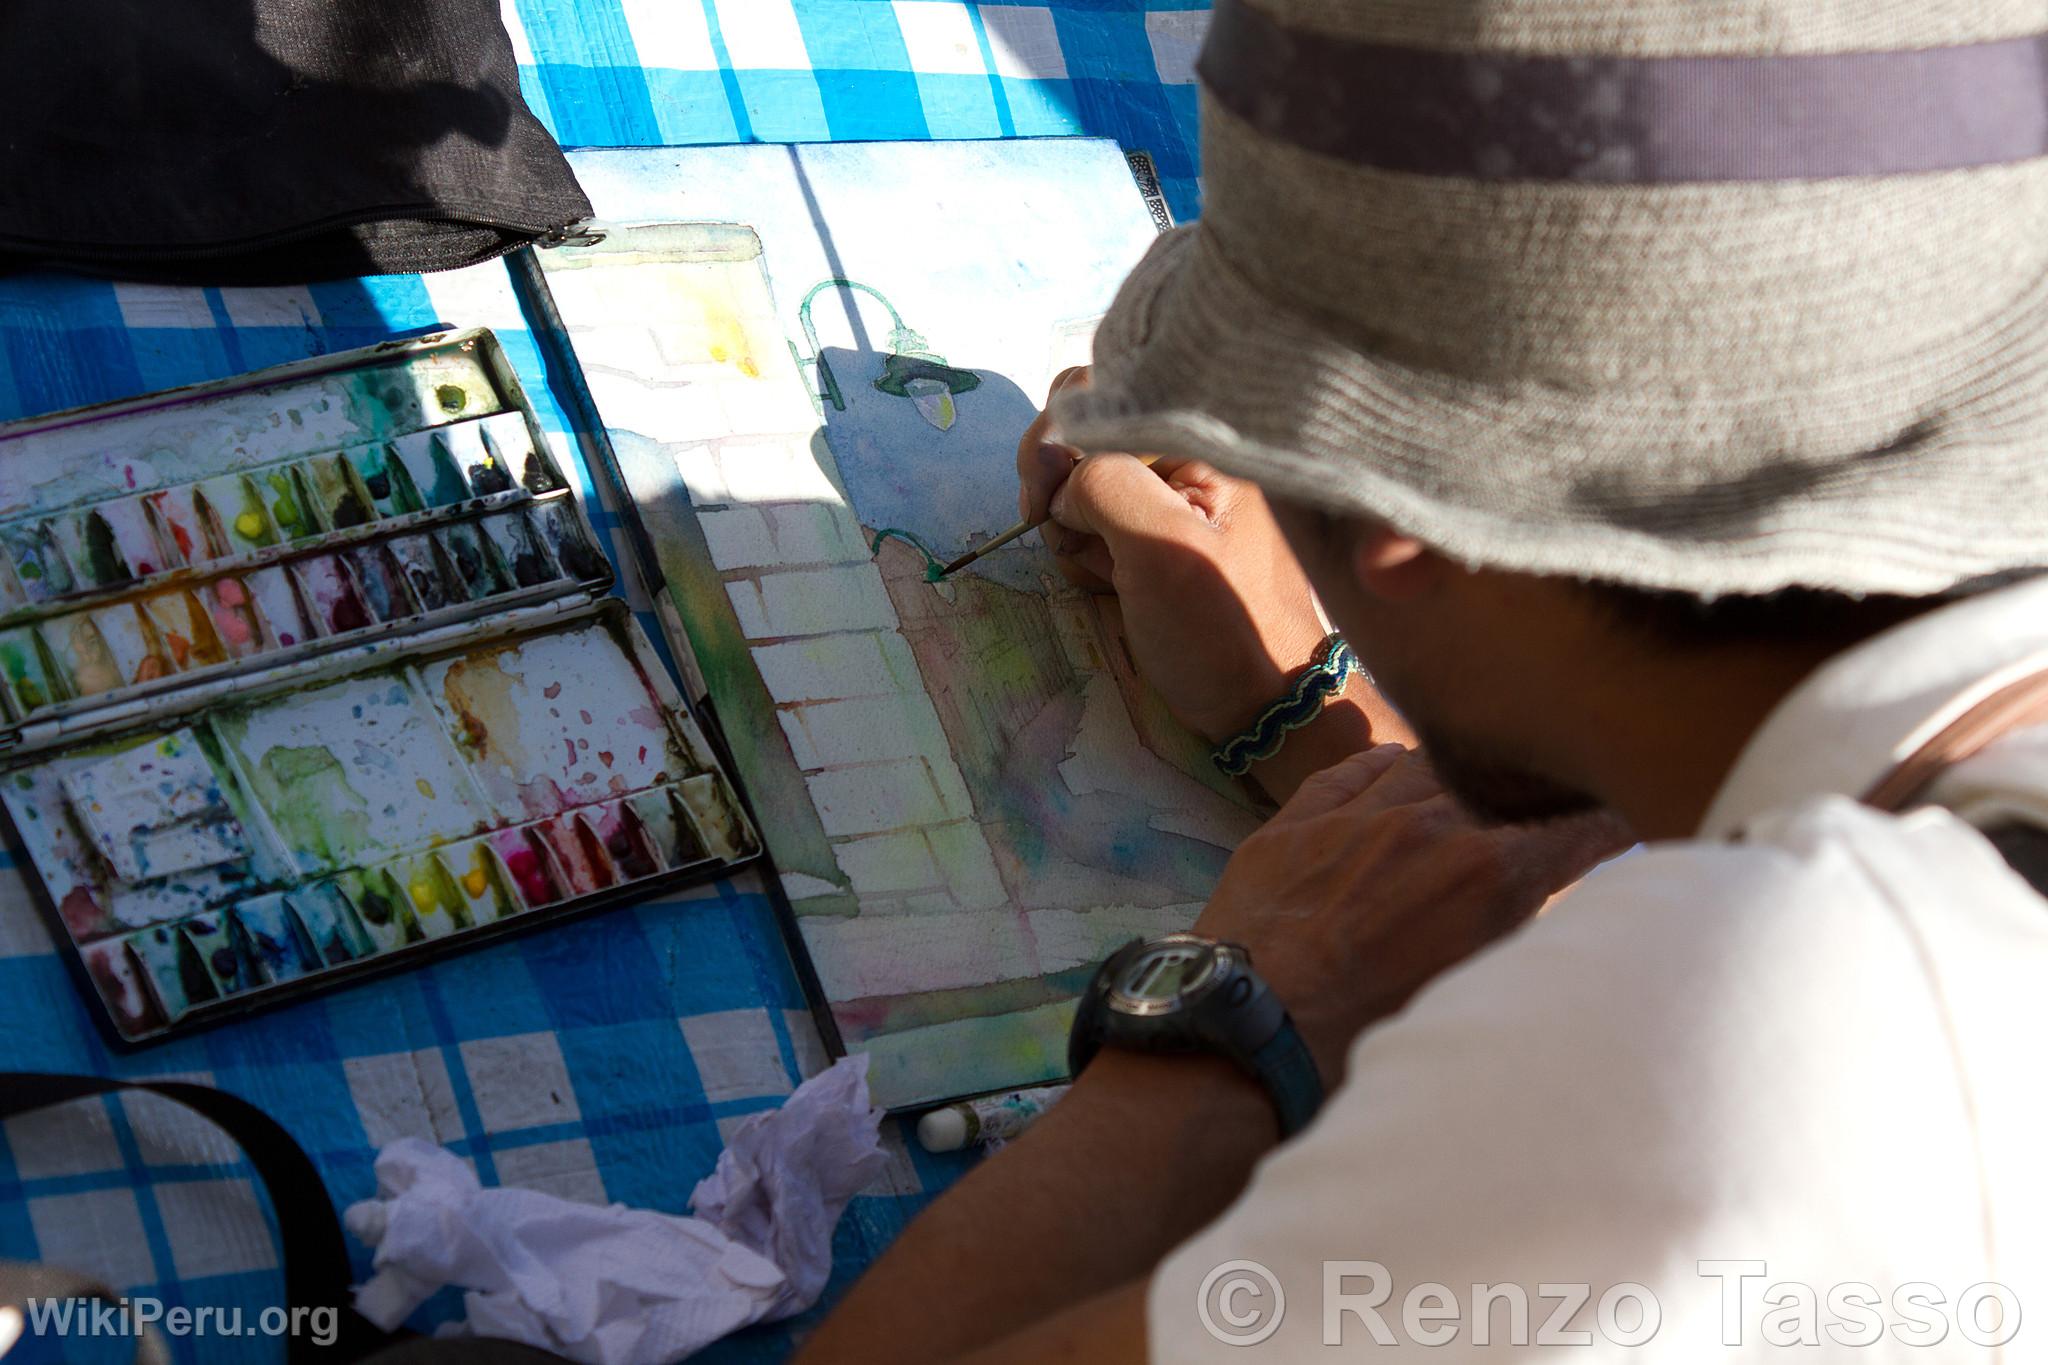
<point x="1084" y="561"/>
<point x="1405" y="781"/>
<point x="1041" y="467"/>
<point x="1117" y="496"/>
<point x="1340" y="783"/>
<point x="1041" y="462"/>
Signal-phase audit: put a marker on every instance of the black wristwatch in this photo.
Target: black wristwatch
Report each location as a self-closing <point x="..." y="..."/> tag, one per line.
<point x="1187" y="993"/>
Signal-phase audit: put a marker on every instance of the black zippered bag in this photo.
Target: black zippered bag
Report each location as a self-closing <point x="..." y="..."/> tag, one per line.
<point x="269" y="141"/>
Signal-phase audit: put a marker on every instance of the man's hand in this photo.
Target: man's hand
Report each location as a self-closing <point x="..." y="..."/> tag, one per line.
<point x="1372" y="880"/>
<point x="1218" y="612"/>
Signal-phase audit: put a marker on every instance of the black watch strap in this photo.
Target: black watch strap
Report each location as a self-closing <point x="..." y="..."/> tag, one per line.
<point x="1288" y="1071"/>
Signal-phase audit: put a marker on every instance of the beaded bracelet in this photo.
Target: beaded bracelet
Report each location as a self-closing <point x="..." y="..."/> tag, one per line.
<point x="1312" y="687"/>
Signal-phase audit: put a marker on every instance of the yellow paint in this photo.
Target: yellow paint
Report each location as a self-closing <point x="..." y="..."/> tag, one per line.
<point x="476" y="881"/>
<point x="426" y="787"/>
<point x="249" y="526"/>
<point x="423" y="897"/>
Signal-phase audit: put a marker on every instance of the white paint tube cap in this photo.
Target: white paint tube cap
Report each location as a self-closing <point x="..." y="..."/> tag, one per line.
<point x="943" y="1130"/>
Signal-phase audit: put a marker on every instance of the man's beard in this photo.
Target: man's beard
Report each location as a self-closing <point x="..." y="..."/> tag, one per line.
<point x="1493" y="787"/>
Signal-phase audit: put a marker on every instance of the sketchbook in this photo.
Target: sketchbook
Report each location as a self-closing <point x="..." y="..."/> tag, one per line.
<point x="312" y="672"/>
<point x="806" y="370"/>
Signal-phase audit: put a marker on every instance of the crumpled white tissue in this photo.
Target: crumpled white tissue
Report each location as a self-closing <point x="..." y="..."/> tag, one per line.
<point x="618" y="1285"/>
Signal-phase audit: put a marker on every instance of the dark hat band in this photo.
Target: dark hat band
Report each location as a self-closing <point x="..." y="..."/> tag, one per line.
<point x="1630" y="120"/>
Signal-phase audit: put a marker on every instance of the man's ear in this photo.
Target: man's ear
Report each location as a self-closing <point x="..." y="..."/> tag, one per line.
<point x="1394" y="567"/>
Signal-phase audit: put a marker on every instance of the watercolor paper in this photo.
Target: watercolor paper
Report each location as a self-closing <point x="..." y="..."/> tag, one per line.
<point x="944" y="762"/>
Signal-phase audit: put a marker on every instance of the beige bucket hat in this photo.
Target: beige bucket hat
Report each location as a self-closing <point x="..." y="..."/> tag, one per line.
<point x="1712" y="295"/>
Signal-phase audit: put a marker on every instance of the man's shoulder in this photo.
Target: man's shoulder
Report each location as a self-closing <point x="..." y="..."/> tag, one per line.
<point x="1829" y="929"/>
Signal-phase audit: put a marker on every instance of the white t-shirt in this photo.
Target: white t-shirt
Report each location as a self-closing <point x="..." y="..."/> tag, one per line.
<point x="1806" y="1051"/>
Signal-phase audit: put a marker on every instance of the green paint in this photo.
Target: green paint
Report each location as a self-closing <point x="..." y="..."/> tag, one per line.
<point x="284" y="507"/>
<point x="452" y="397"/>
<point x="315" y="808"/>
<point x="103" y="558"/>
<point x="934" y="567"/>
<point x="22" y="666"/>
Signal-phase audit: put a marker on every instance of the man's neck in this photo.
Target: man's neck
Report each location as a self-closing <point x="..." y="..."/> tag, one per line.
<point x="1657" y="741"/>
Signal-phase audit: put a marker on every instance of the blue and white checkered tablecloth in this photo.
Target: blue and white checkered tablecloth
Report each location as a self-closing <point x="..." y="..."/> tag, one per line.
<point x="605" y="1058"/>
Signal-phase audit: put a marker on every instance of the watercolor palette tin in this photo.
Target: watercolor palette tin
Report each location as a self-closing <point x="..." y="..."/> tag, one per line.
<point x="312" y="672"/>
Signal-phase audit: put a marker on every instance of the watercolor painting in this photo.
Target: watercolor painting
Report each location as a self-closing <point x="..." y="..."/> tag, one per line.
<point x="314" y="670"/>
<point x="970" y="796"/>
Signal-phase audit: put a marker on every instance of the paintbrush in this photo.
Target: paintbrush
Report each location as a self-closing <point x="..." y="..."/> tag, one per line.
<point x="947" y="570"/>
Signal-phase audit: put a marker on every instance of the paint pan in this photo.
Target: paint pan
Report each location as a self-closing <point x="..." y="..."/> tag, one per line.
<point x="239" y="512"/>
<point x="30" y="673"/>
<point x="481" y="468"/>
<point x="186" y="627"/>
<point x="437" y="906"/>
<point x="385" y="481"/>
<point x="82" y="656"/>
<point x="181" y="517"/>
<point x="431" y="467"/>
<point x="123" y="985"/>
<point x="114" y="543"/>
<point x="279" y="606"/>
<point x="579" y="559"/>
<point x="329" y="923"/>
<point x="725" y="833"/>
<point x="477" y="569"/>
<point x="330" y="590"/>
<point x="235" y="622"/>
<point x="212" y="936"/>
<point x="626" y="840"/>
<point x="338" y="499"/>
<point x="521" y="548"/>
<point x="510" y="442"/>
<point x="427" y="571"/>
<point x="12" y="593"/>
<point x="481" y="879"/>
<point x="139" y="656"/>
<point x="578" y="852"/>
<point x="381" y="908"/>
<point x="271" y="940"/>
<point x="157" y="809"/>
<point x="284" y="496"/>
<point x="170" y="963"/>
<point x="39" y="562"/>
<point x="670" y="827"/>
<point x="531" y="866"/>
<point x="383" y="587"/>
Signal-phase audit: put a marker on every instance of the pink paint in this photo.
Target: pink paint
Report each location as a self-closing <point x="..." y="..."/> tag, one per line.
<point x="529" y="873"/>
<point x="334" y="597"/>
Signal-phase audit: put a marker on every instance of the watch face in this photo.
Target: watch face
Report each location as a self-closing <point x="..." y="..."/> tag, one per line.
<point x="1165" y="972"/>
